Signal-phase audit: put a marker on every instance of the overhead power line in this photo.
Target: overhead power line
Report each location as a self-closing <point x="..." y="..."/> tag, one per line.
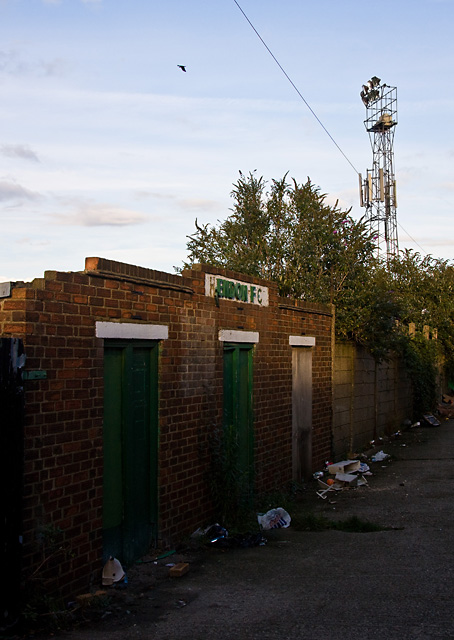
<point x="412" y="239"/>
<point x="308" y="105"/>
<point x="295" y="87"/>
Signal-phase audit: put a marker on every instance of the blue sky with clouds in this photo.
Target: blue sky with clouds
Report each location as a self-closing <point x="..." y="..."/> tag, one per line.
<point x="108" y="149"/>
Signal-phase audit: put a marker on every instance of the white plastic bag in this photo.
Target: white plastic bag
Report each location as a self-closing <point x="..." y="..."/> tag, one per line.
<point x="274" y="519"/>
<point x="380" y="456"/>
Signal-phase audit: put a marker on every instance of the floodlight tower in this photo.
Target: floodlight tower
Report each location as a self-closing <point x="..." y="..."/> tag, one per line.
<point x="378" y="190"/>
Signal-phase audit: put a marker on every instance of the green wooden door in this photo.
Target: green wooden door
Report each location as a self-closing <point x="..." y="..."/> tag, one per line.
<point x="130" y="440"/>
<point x="238" y="413"/>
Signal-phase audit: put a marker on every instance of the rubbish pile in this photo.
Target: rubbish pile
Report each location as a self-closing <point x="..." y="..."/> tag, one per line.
<point x="216" y="535"/>
<point x="446" y="407"/>
<point x="351" y="473"/>
<point x="344" y="475"/>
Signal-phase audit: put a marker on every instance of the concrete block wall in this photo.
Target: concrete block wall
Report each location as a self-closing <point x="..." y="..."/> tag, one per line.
<point x="56" y="318"/>
<point x="369" y="400"/>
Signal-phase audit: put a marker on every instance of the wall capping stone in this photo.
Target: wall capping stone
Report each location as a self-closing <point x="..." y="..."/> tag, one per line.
<point x="301" y="341"/>
<point x="131" y="331"/>
<point x="228" y="335"/>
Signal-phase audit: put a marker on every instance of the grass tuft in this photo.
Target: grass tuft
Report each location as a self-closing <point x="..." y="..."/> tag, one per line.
<point x="312" y="522"/>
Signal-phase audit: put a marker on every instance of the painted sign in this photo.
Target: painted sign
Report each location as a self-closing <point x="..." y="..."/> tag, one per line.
<point x="245" y="292"/>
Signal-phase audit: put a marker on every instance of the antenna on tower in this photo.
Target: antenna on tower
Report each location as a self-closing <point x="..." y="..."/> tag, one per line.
<point x="378" y="190"/>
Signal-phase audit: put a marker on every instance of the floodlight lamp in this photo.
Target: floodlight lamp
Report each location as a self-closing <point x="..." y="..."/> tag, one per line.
<point x="371" y="91"/>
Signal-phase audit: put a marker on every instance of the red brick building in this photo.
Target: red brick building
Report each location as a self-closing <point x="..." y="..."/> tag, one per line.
<point x="128" y="373"/>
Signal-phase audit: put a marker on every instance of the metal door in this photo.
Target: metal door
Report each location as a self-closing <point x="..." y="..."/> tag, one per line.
<point x="130" y="440"/>
<point x="238" y="413"/>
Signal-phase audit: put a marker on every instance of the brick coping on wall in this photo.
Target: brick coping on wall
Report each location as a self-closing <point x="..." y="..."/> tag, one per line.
<point x="127" y="272"/>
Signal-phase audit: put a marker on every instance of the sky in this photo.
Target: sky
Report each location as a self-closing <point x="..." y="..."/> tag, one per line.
<point x="109" y="149"/>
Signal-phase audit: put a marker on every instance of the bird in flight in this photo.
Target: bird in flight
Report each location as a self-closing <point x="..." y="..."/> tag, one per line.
<point x="182" y="67"/>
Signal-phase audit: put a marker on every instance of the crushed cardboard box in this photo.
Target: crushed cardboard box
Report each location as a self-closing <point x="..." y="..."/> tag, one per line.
<point x="346" y="466"/>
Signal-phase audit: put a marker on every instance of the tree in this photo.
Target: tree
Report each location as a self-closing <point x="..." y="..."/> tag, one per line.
<point x="289" y="235"/>
<point x="317" y="252"/>
<point x="424" y="287"/>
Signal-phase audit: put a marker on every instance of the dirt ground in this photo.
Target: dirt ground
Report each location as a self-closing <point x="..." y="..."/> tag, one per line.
<point x="395" y="582"/>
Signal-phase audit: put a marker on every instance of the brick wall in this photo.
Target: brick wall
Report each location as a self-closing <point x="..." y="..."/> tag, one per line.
<point x="56" y="317"/>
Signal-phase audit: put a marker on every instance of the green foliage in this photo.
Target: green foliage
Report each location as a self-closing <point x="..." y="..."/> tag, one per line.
<point x="45" y="613"/>
<point x="284" y="497"/>
<point x="420" y="356"/>
<point x="369" y="313"/>
<point x="43" y="609"/>
<point x="317" y="252"/>
<point x="289" y="235"/>
<point x="229" y="485"/>
<point x="449" y="372"/>
<point x="423" y="290"/>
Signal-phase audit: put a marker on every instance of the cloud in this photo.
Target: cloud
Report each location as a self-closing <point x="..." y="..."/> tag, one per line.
<point x="143" y="195"/>
<point x="33" y="242"/>
<point x="21" y="151"/>
<point x="11" y="191"/>
<point x="10" y="63"/>
<point x="438" y="242"/>
<point x="198" y="204"/>
<point x="190" y="204"/>
<point x="99" y="215"/>
<point x="53" y="68"/>
<point x="447" y="185"/>
<point x="13" y="64"/>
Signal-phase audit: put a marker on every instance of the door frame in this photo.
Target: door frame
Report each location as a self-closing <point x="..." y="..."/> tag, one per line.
<point x="302" y="384"/>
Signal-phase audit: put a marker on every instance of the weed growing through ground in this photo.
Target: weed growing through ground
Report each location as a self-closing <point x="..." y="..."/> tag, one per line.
<point x="313" y="522"/>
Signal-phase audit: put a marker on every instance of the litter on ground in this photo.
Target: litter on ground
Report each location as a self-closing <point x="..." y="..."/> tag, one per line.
<point x="380" y="456"/>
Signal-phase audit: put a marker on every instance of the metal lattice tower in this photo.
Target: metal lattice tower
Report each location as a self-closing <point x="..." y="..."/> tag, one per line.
<point x="378" y="190"/>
